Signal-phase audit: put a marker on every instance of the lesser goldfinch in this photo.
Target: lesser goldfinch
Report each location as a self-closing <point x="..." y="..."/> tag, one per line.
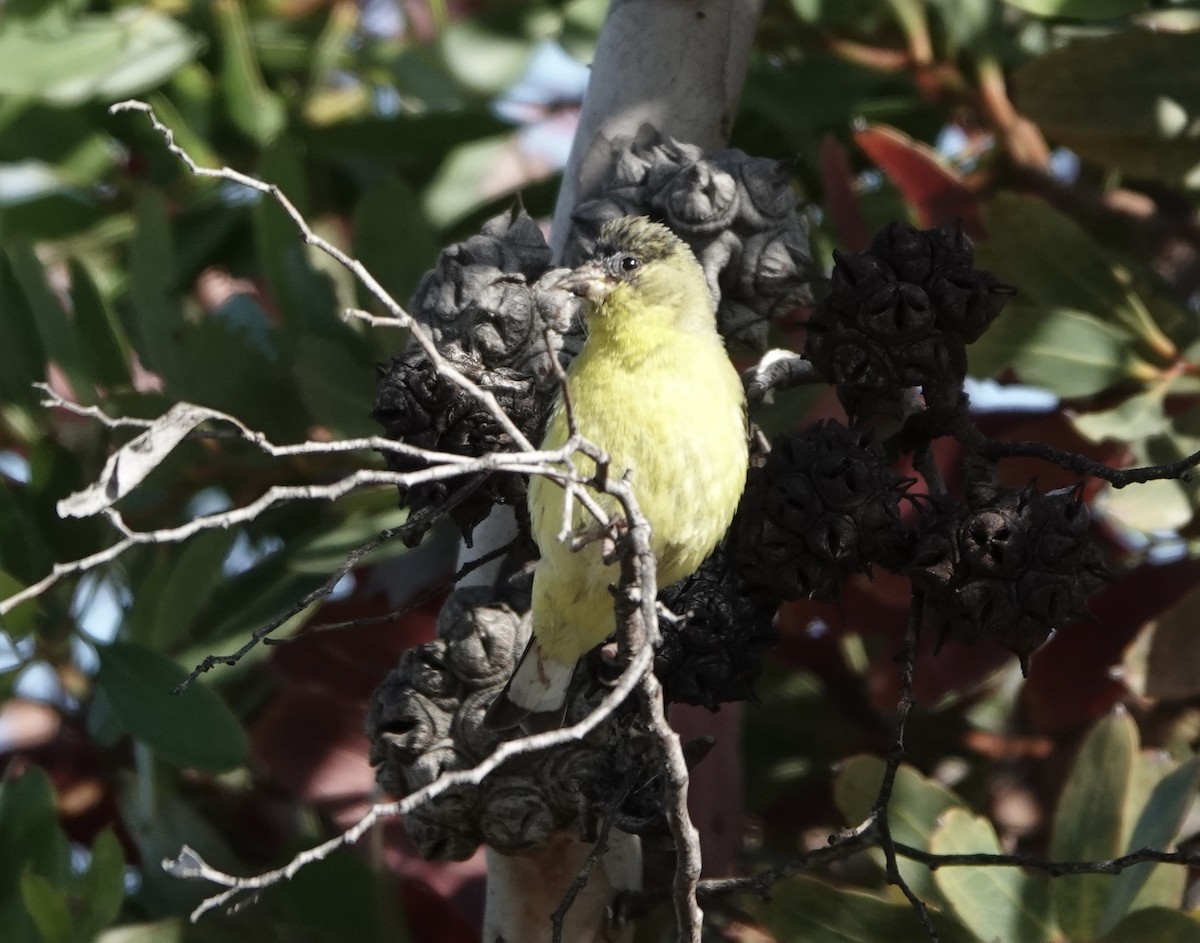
<point x="654" y="388"/>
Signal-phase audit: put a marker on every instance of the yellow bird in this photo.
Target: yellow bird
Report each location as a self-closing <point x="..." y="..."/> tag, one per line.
<point x="654" y="388"/>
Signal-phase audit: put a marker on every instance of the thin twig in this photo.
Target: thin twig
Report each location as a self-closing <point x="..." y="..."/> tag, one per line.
<point x="352" y="264"/>
<point x="599" y="847"/>
<point x="189" y="864"/>
<point x="413" y="604"/>
<point x="1074" y="462"/>
<point x="880" y="812"/>
<point x="416" y="523"/>
<point x="1053" y="868"/>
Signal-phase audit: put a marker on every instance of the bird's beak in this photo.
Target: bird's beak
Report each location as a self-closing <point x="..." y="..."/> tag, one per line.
<point x="589" y="281"/>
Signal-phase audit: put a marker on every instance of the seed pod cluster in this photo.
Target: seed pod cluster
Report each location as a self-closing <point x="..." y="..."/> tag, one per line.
<point x="714" y="652"/>
<point x="1009" y="569"/>
<point x="489" y="308"/>
<point x="486" y="299"/>
<point x="825" y="504"/>
<point x="901" y="315"/>
<point x="738" y="213"/>
<point x="424" y="720"/>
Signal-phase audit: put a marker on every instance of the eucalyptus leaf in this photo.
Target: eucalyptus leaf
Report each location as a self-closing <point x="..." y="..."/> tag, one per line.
<point x="190" y="729"/>
<point x="813" y="911"/>
<point x="255" y="109"/>
<point x="1156" y="924"/>
<point x="34" y="845"/>
<point x="102" y="339"/>
<point x="917" y="805"/>
<point x="48" y="906"/>
<point x="1173" y="662"/>
<point x="99" y="57"/>
<point x="1068" y="352"/>
<point x="1055" y="263"/>
<point x="1129" y="101"/>
<point x="102" y="888"/>
<point x="990" y="901"/>
<point x="1089" y="823"/>
<point x="1137" y="417"/>
<point x="393" y="239"/>
<point x="22" y="356"/>
<point x="154" y="286"/>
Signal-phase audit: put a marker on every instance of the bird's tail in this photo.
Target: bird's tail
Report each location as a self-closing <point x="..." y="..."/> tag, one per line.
<point x="536" y="694"/>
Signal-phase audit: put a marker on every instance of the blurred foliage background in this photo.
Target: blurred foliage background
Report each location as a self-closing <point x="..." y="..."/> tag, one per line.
<point x="1063" y="134"/>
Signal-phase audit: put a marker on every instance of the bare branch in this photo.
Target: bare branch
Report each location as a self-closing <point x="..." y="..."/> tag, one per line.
<point x="191" y="865"/>
<point x="352" y="264"/>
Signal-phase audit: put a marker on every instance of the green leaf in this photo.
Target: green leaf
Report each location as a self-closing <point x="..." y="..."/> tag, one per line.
<point x="98" y="57"/>
<point x="404" y="137"/>
<point x="1081" y="9"/>
<point x="1138" y="417"/>
<point x="1156" y="827"/>
<point x="22" y="358"/>
<point x="1055" y="263"/>
<point x="255" y="109"/>
<point x="303" y="294"/>
<point x="153" y="278"/>
<point x="191" y="729"/>
<point x="1155" y="925"/>
<point x="1128" y="101"/>
<point x="223" y="366"/>
<point x="102" y="888"/>
<point x="33" y="844"/>
<point x="916" y="807"/>
<point x="103" y="340"/>
<point x="1089" y="823"/>
<point x="809" y="910"/>
<point x="48" y="907"/>
<point x="343" y="897"/>
<point x="170" y="930"/>
<point x="189" y="575"/>
<point x="990" y="901"/>
<point x="1068" y="352"/>
<point x="1151" y="506"/>
<point x="464" y="181"/>
<point x="485" y="59"/>
<point x="59" y="337"/>
<point x="392" y="239"/>
<point x="328" y="550"/>
<point x="336" y="386"/>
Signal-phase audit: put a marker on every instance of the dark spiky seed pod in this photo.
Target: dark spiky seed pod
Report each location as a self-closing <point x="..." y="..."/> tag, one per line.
<point x="900" y="315"/>
<point x="1009" y="570"/>
<point x="714" y="653"/>
<point x="417" y="405"/>
<point x="824" y="505"/>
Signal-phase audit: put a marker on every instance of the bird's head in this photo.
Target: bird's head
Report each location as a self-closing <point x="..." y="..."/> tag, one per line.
<point x="639" y="264"/>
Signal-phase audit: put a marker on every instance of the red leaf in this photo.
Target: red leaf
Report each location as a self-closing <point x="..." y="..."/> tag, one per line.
<point x="933" y="189"/>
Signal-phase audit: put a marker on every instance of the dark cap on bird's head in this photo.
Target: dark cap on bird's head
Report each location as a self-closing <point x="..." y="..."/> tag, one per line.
<point x="624" y="246"/>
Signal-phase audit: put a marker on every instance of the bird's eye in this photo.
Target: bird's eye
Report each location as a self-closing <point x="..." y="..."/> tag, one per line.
<point x="629" y="263"/>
